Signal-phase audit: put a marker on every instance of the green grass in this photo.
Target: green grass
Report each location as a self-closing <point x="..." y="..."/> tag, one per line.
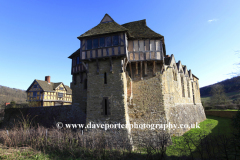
<point x="211" y="126"/>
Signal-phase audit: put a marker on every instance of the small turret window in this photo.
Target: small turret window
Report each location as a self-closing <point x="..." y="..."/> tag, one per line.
<point x="105" y="78"/>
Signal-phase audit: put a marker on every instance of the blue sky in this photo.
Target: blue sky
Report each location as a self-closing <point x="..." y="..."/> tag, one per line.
<point x="36" y="37"/>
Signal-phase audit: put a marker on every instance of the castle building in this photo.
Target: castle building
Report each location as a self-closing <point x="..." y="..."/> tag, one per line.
<point x="122" y="74"/>
<point x="47" y="93"/>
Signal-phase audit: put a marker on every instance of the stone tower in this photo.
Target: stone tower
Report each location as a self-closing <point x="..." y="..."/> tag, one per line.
<point x="121" y="74"/>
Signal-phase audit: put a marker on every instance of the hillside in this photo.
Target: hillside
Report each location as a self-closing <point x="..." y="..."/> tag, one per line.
<point x="230" y="85"/>
<point x="8" y="94"/>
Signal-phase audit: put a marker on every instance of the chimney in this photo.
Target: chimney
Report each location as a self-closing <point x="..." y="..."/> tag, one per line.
<point x="47" y="78"/>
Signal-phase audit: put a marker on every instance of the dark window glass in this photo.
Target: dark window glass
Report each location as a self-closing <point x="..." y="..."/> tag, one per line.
<point x="108" y="41"/>
<point x="60" y="95"/>
<point x="78" y="59"/>
<point x="101" y="42"/>
<point x="35" y="86"/>
<point x="89" y="44"/>
<point x="61" y="88"/>
<point x="34" y="94"/>
<point x="95" y="43"/>
<point x="115" y="40"/>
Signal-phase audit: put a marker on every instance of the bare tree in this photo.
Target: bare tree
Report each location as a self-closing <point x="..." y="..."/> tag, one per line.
<point x="218" y="95"/>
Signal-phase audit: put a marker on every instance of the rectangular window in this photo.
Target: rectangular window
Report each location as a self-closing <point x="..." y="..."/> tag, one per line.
<point x="95" y="43"/>
<point x="34" y="94"/>
<point x="106" y="106"/>
<point x="85" y="83"/>
<point x="115" y="40"/>
<point x="61" y="88"/>
<point x="105" y="78"/>
<point x="60" y="95"/>
<point x="78" y="60"/>
<point x="89" y="44"/>
<point x="108" y="41"/>
<point x="35" y="86"/>
<point x="101" y="42"/>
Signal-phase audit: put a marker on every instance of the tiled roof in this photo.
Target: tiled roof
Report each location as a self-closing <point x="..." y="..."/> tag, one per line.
<point x="77" y="52"/>
<point x="51" y="87"/>
<point x="103" y="28"/>
<point x="140" y="30"/>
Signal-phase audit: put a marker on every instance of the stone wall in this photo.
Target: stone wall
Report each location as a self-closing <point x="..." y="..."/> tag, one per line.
<point x="114" y="90"/>
<point x="181" y="109"/>
<point x="44" y="116"/>
<point x="79" y="97"/>
<point x="146" y="105"/>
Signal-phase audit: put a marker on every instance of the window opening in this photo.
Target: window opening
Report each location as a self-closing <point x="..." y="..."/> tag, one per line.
<point x="105" y="78"/>
<point x="89" y="44"/>
<point x="105" y="105"/>
<point x="95" y="43"/>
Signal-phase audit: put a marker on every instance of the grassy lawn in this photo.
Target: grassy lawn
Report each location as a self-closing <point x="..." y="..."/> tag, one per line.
<point x="211" y="126"/>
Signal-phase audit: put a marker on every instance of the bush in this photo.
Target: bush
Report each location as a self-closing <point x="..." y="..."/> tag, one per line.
<point x="208" y="108"/>
<point x="223" y="107"/>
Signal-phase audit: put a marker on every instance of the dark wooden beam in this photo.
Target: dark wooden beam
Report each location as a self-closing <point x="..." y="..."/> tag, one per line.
<point x="111" y="65"/>
<point x="141" y="70"/>
<point x="130" y="67"/>
<point x="154" y="68"/>
<point x="136" y="68"/>
<point x="145" y="68"/>
<point x="81" y="77"/>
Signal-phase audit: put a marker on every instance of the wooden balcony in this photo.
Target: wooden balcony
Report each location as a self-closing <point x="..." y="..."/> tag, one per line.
<point x="78" y="68"/>
<point x="145" y="56"/>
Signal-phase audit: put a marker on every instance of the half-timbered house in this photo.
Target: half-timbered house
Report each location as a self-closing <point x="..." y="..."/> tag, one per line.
<point x="47" y="93"/>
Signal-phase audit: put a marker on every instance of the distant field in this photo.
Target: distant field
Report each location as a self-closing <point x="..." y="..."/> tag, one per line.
<point x="230" y="95"/>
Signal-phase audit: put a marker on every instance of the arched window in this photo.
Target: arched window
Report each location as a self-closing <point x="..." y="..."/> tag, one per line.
<point x="174" y="73"/>
<point x="188" y="87"/>
<point x="182" y="83"/>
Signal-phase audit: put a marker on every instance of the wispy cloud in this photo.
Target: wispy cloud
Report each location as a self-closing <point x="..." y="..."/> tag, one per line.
<point x="212" y="20"/>
<point x="237" y="51"/>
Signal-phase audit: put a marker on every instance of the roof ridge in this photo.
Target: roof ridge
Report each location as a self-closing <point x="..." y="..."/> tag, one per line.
<point x="136" y="21"/>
